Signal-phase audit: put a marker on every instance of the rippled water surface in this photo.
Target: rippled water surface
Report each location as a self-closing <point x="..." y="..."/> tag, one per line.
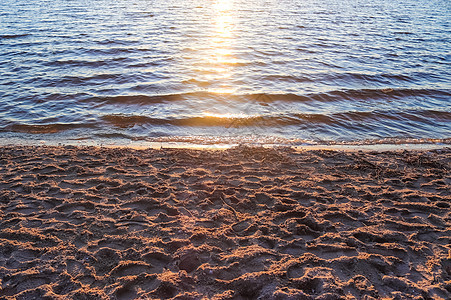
<point x="222" y="71"/>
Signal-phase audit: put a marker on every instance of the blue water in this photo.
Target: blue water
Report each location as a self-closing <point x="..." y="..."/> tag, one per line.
<point x="324" y="71"/>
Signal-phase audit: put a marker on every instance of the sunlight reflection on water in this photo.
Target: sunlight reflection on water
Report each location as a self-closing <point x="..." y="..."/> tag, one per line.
<point x="306" y="70"/>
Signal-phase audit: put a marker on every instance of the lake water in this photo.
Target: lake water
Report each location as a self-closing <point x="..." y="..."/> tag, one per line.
<point x="313" y="71"/>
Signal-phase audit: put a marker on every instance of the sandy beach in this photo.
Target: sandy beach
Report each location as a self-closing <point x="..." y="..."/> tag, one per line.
<point x="244" y="223"/>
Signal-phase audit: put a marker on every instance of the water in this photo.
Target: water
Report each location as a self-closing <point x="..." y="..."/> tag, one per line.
<point x="221" y="71"/>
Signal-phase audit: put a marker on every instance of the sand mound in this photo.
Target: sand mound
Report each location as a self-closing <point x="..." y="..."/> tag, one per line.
<point x="246" y="223"/>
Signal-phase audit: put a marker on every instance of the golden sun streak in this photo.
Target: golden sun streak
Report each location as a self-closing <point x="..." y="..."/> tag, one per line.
<point x="221" y="59"/>
<point x="227" y="115"/>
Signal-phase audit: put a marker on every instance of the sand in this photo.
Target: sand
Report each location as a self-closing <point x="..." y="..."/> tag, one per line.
<point x="245" y="223"/>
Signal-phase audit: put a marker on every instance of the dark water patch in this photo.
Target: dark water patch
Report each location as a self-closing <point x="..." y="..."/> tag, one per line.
<point x="403" y="32"/>
<point x="13" y="36"/>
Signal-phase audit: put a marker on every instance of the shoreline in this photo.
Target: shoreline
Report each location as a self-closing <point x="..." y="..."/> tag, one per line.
<point x="243" y="223"/>
<point x="142" y="145"/>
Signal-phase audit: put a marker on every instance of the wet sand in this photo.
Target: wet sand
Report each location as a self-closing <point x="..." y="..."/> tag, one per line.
<point x="244" y="223"/>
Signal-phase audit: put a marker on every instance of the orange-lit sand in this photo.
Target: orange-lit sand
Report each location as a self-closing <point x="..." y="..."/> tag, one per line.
<point x="245" y="223"/>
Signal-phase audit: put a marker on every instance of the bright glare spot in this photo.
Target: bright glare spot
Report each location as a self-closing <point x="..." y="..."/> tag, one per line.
<point x="218" y="74"/>
<point x="224" y="24"/>
<point x="224" y="91"/>
<point x="227" y="115"/>
<point x="223" y="52"/>
<point x="223" y="5"/>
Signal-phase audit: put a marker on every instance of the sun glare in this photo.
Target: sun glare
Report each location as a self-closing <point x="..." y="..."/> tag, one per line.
<point x="227" y="115"/>
<point x="220" y="59"/>
<point x="223" y="90"/>
<point x="223" y="5"/>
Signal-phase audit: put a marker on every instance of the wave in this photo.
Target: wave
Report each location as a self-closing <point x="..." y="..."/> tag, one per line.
<point x="344" y="119"/>
<point x="332" y="96"/>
